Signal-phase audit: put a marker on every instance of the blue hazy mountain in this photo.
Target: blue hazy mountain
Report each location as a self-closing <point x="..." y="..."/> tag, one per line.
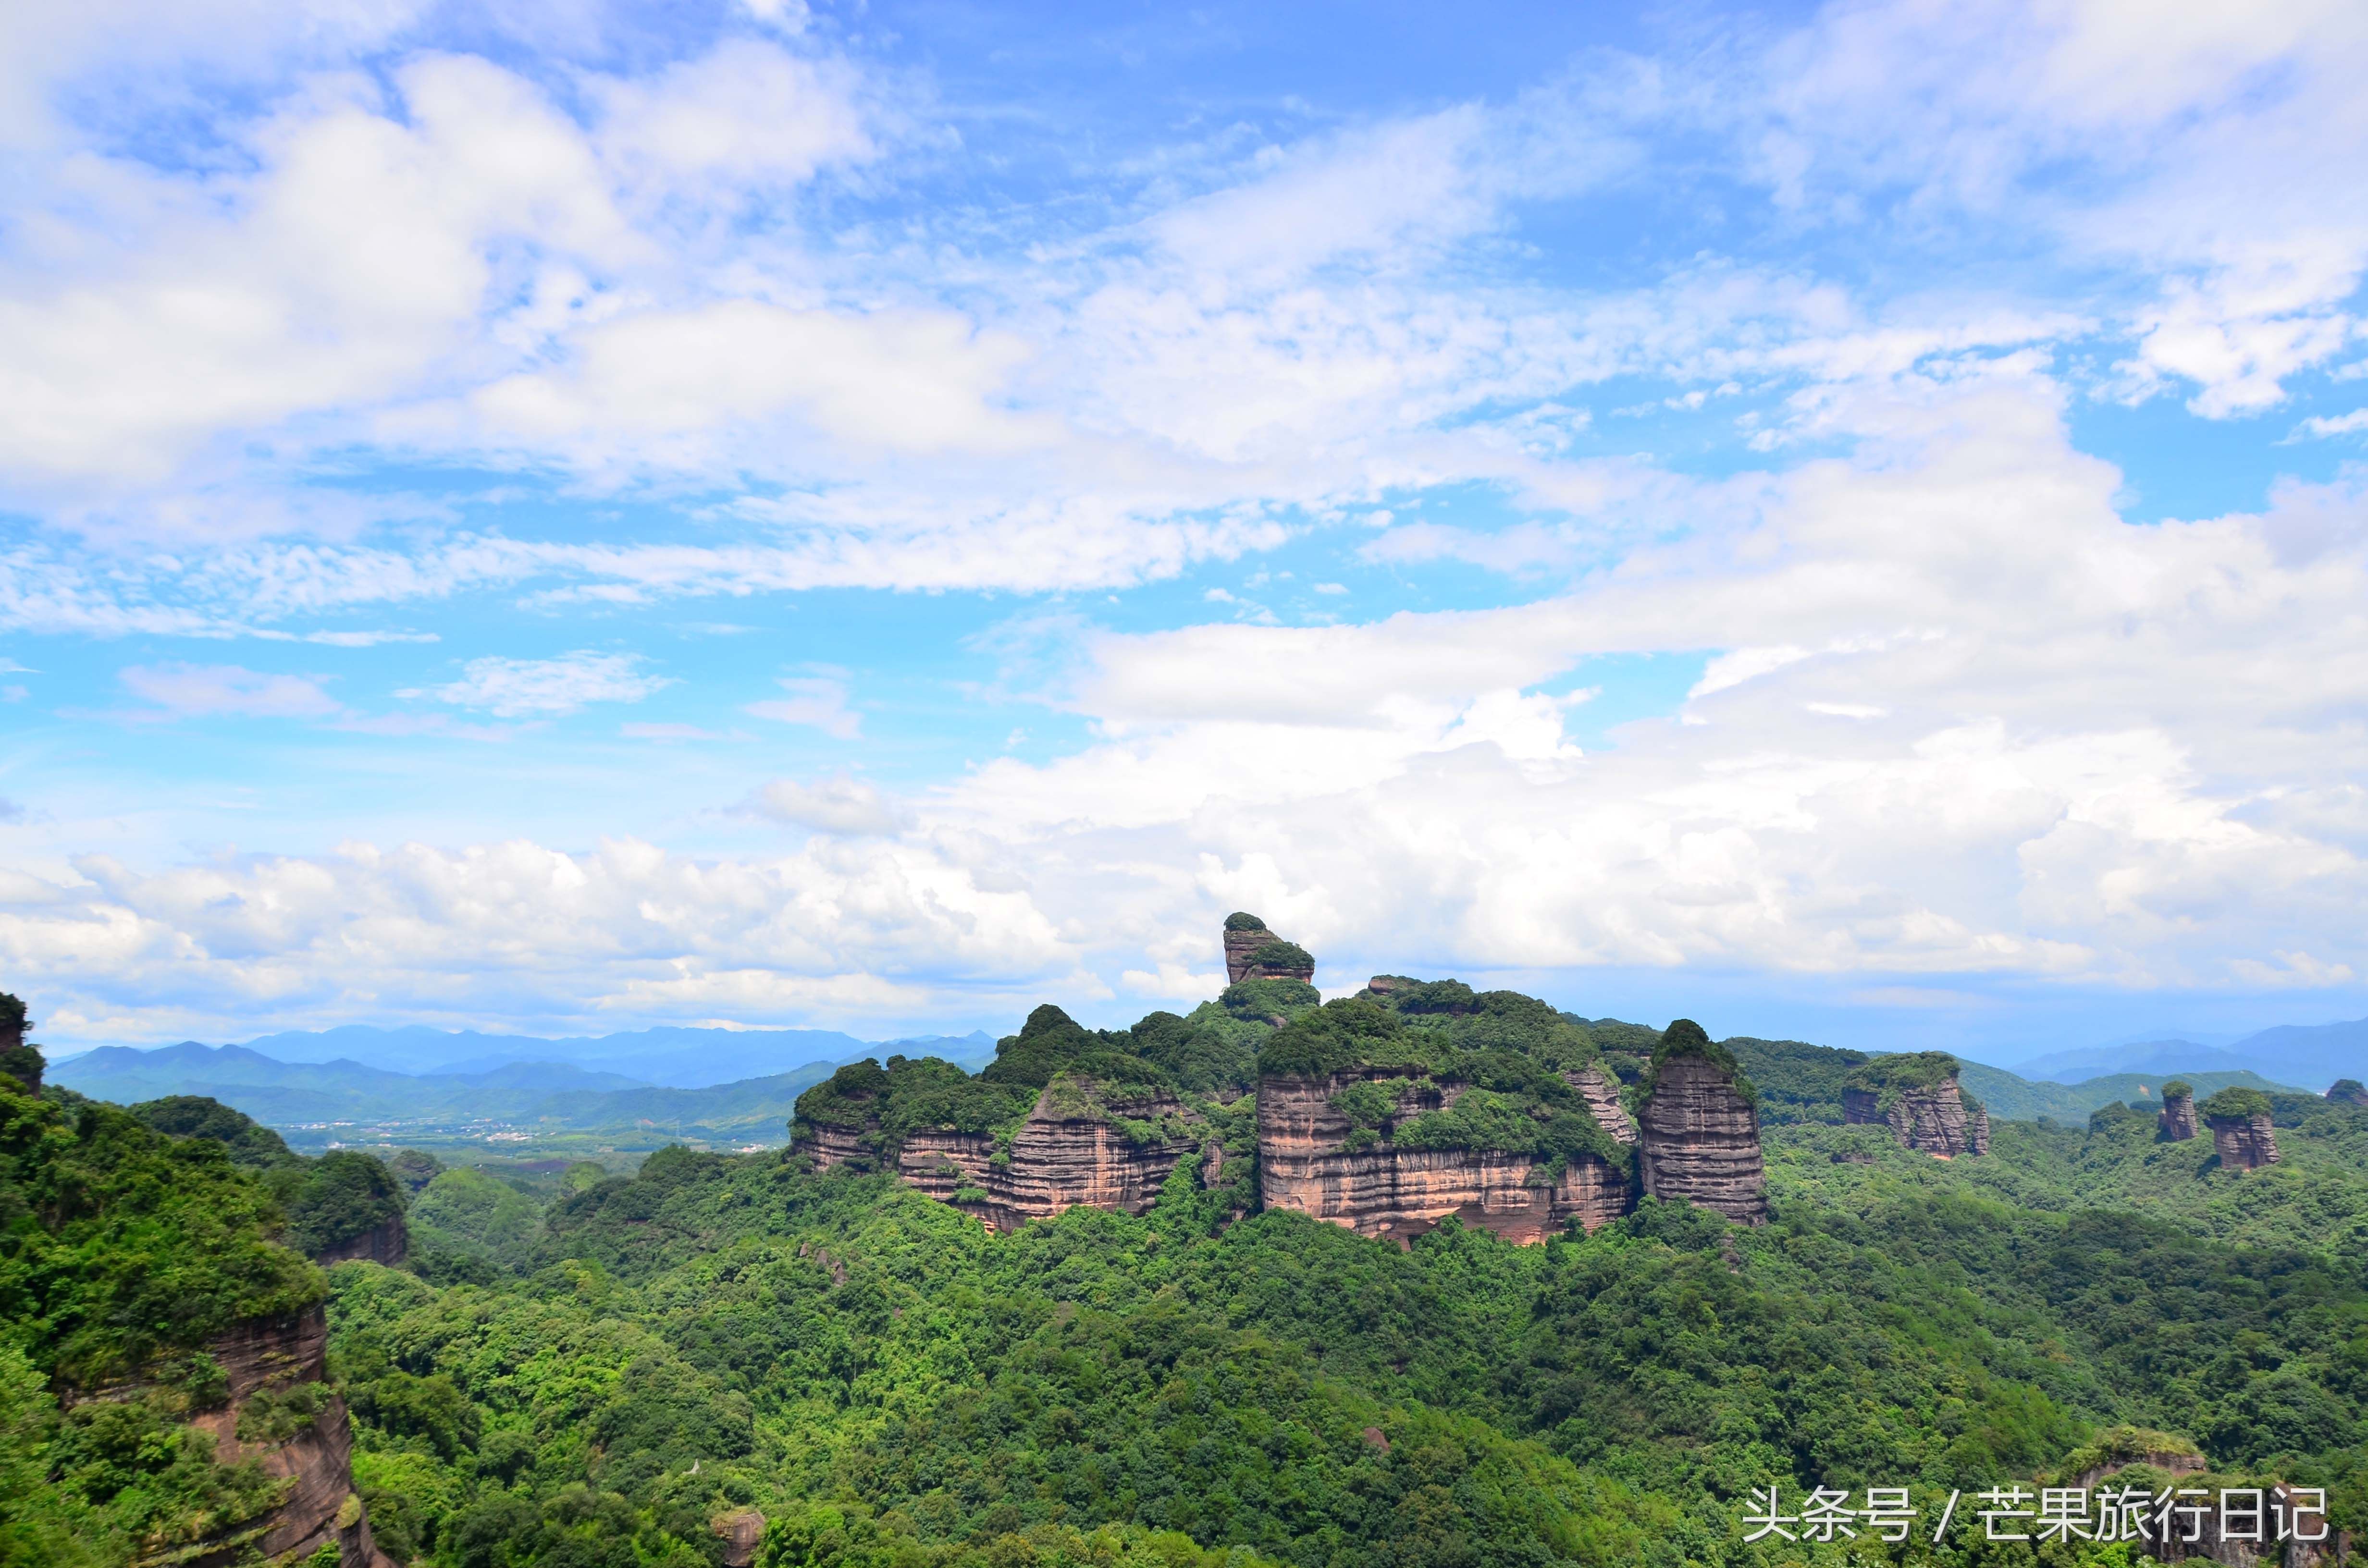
<point x="2311" y="1055"/>
<point x="674" y="1058"/>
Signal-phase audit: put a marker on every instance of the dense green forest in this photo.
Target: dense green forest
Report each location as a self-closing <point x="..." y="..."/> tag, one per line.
<point x="583" y="1369"/>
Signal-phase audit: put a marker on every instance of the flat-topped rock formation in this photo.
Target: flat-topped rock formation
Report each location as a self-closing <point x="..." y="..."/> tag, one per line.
<point x="1253" y="952"/>
<point x="1917" y="1096"/>
<point x="1314" y="1159"/>
<point x="2241" y="1132"/>
<point x="2177" y="1122"/>
<point x="1699" y="1130"/>
<point x="1059" y="1120"/>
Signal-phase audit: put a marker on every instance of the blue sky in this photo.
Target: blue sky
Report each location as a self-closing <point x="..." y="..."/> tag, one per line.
<point x="1840" y="520"/>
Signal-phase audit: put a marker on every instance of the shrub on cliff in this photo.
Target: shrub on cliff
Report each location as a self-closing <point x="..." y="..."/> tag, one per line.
<point x="1685" y="1039"/>
<point x="1890" y="1076"/>
<point x="1241" y="920"/>
<point x="1202" y="1053"/>
<point x="1261" y="999"/>
<point x="2178" y="1089"/>
<point x="1280" y="954"/>
<point x="247" y="1141"/>
<point x="1354" y="1031"/>
<point x="2235" y="1104"/>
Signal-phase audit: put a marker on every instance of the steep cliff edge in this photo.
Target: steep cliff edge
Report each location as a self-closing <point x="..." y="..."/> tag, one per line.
<point x="1916" y="1094"/>
<point x="1253" y="952"/>
<point x="152" y="1299"/>
<point x="1059" y="1120"/>
<point x="2176" y="1124"/>
<point x="1699" y="1131"/>
<point x="2241" y="1131"/>
<point x="1390" y="1112"/>
<point x="281" y="1415"/>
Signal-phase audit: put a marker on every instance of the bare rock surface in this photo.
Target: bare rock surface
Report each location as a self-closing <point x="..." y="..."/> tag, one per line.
<point x="2244" y="1143"/>
<point x="1243" y="961"/>
<point x="1601" y="1092"/>
<point x="1311" y="1160"/>
<point x="1698" y="1139"/>
<point x="2178" y="1117"/>
<point x="320" y="1507"/>
<point x="388" y="1243"/>
<point x="1932" y="1119"/>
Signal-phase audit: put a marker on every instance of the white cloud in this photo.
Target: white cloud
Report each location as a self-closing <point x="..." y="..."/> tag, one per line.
<point x="842" y="806"/>
<point x="514" y="689"/>
<point x="818" y="700"/>
<point x="226" y="690"/>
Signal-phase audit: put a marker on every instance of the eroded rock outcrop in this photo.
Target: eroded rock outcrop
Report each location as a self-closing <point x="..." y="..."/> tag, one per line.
<point x="282" y="1414"/>
<point x="1253" y="952"/>
<point x="1313" y="1159"/>
<point x="2241" y="1132"/>
<point x="2176" y="1124"/>
<point x="1917" y="1096"/>
<point x="2348" y="1091"/>
<point x="1085" y="1143"/>
<point x="1601" y="1092"/>
<point x="1699" y="1130"/>
<point x="387" y="1242"/>
<point x="2244" y="1143"/>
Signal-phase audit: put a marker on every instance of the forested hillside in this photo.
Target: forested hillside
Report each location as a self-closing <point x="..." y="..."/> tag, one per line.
<point x="780" y="1359"/>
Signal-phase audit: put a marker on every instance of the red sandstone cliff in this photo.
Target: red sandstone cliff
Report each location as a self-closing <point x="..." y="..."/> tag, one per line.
<point x="1242" y="945"/>
<point x="1305" y="1163"/>
<point x="388" y="1244"/>
<point x="1699" y="1140"/>
<point x="1600" y="1090"/>
<point x="1931" y="1117"/>
<point x="318" y="1506"/>
<point x="1071" y="1151"/>
<point x="2178" y="1119"/>
<point x="2244" y="1143"/>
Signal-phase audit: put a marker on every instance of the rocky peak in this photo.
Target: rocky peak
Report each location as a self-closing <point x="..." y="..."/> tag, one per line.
<point x="2241" y="1133"/>
<point x="19" y="1060"/>
<point x="1698" y="1129"/>
<point x="2348" y="1091"/>
<point x="2178" y="1119"/>
<point x="1601" y="1092"/>
<point x="1916" y="1094"/>
<point x="1253" y="952"/>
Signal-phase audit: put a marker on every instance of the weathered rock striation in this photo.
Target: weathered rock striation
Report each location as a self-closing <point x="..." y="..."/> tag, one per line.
<point x="387" y="1242"/>
<point x="2177" y="1121"/>
<point x="1918" y="1096"/>
<point x="1601" y="1092"/>
<point x="1311" y="1159"/>
<point x="281" y="1365"/>
<point x="1698" y="1130"/>
<point x="1253" y="952"/>
<point x="2244" y="1143"/>
<point x="2241" y="1131"/>
<point x="1085" y="1144"/>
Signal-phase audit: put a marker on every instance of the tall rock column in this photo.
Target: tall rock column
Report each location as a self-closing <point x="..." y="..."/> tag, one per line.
<point x="2178" y="1119"/>
<point x="2241" y="1133"/>
<point x="1698" y="1130"/>
<point x="1916" y="1094"/>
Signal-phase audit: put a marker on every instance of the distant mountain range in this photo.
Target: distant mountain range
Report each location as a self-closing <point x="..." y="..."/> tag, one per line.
<point x="351" y="1100"/>
<point x="675" y="1058"/>
<point x="2312" y="1056"/>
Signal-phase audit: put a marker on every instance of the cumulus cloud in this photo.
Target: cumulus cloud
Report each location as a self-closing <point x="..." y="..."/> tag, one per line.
<point x="516" y="688"/>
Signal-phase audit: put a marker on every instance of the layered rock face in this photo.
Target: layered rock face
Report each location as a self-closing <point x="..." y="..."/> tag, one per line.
<point x="2244" y="1143"/>
<point x="2178" y="1119"/>
<point x="1698" y="1139"/>
<point x="321" y="1507"/>
<point x="1305" y="1163"/>
<point x="1060" y="1160"/>
<point x="1601" y="1092"/>
<point x="1253" y="952"/>
<point x="1932" y="1119"/>
<point x="388" y="1244"/>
